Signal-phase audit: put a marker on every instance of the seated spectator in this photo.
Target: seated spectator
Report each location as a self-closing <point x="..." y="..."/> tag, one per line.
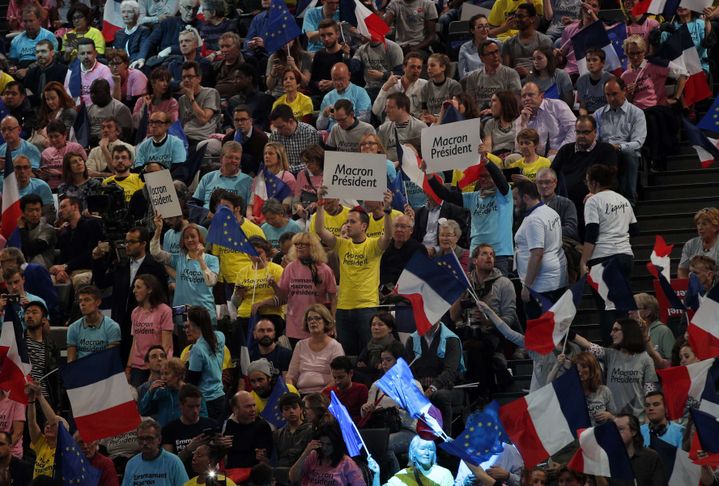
<point x="249" y="94"/>
<point x="205" y="462"/>
<point x="250" y="436"/>
<point x="94" y="331"/>
<point x="160" y="147"/>
<point x="517" y="50"/>
<point x="15" y="283"/>
<point x="223" y="73"/>
<point x="12" y="467"/>
<point x="289" y="441"/>
<point x="122" y="163"/>
<point x="42" y="442"/>
<point x="469" y="59"/>
<point x="325" y="58"/>
<point x="500" y="131"/>
<point x="315" y="19"/>
<point x="300" y="103"/>
<point x="76" y="180"/>
<point x="414" y="24"/>
<point x="56" y="104"/>
<point x="559" y="14"/>
<point x="104" y="107"/>
<point x="547" y="186"/>
<point x="438" y="89"/>
<point x="448" y="235"/>
<point x="529" y="163"/>
<point x="199" y="106"/>
<point x="265" y="346"/>
<point x="351" y="394"/>
<point x="370" y="143"/>
<point x="80" y="18"/>
<point x="51" y="161"/>
<point x="28" y="184"/>
<point x="108" y="473"/>
<point x="298" y="60"/>
<point x="185" y="434"/>
<point x="252" y="139"/>
<point x="408" y="83"/>
<point x="153" y="12"/>
<point x="158" y="98"/>
<point x="294" y="136"/>
<point x="438" y="365"/>
<point x="18" y="105"/>
<point x="368" y="367"/>
<point x="399" y="123"/>
<point x="47" y="68"/>
<point x="162" y="396"/>
<point x="704" y="268"/>
<point x="553" y="119"/>
<point x="648" y="313"/>
<point x="657" y="423"/>
<point x="228" y="177"/>
<point x="37" y="279"/>
<point x="22" y="46"/>
<point x="16" y="145"/>
<point x="153" y="459"/>
<point x="100" y="160"/>
<point x="164" y="37"/>
<point x="422" y="460"/>
<point x="262" y="379"/>
<point x="189" y="42"/>
<point x="154" y="359"/>
<point x="129" y="84"/>
<point x="378" y="61"/>
<point x="646" y="463"/>
<point x="544" y="73"/>
<point x="276" y="222"/>
<point x="491" y="78"/>
<point x="132" y="36"/>
<point x="401" y="249"/>
<point x="310" y="365"/>
<point x="347" y="130"/>
<point x="590" y="85"/>
<point x="254" y="48"/>
<point x="706" y="244"/>
<point x="90" y="71"/>
<point x="215" y="23"/>
<point x="503" y="20"/>
<point x="326" y="456"/>
<point x="343" y="89"/>
<point x="37" y="237"/>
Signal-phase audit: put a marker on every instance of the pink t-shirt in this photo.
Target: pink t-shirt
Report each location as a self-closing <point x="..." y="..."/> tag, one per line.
<point x="136" y="84"/>
<point x="309" y="371"/>
<point x="303" y="184"/>
<point x="346" y="473"/>
<point x="99" y="71"/>
<point x="650" y="81"/>
<point x="642" y="29"/>
<point x="301" y="292"/>
<point x="147" y="327"/>
<point x="11" y="411"/>
<point x="169" y="107"/>
<point x="52" y="162"/>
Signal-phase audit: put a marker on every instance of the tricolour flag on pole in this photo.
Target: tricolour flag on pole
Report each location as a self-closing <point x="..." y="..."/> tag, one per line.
<point x="111" y="20"/>
<point x="703" y="328"/>
<point x="678" y="467"/>
<point x="679" y="383"/>
<point x="10" y="203"/>
<point x="430" y="291"/>
<point x="14" y="360"/>
<point x="594" y="35"/>
<point x="666" y="8"/>
<point x="707" y="149"/>
<point x="612" y="286"/>
<point x="602" y="453"/>
<point x="542" y="423"/>
<point x="268" y="186"/>
<point x="368" y="23"/>
<point x="548" y="331"/>
<point x="100" y="396"/>
<point x="409" y="164"/>
<point x="281" y="27"/>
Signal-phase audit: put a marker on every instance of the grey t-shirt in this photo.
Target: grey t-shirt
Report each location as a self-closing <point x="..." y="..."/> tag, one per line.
<point x="115" y="109"/>
<point x="502" y="139"/>
<point x="348" y="140"/>
<point x="521" y="51"/>
<point x="481" y="86"/>
<point x="409" y="132"/>
<point x="627" y="377"/>
<point x="590" y="93"/>
<point x="562" y="8"/>
<point x="694" y="247"/>
<point x="382" y="57"/>
<point x="409" y="18"/>
<point x="433" y="95"/>
<point x="194" y="129"/>
<point x="600" y="401"/>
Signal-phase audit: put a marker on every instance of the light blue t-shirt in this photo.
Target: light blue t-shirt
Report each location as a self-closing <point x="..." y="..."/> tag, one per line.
<point x="20" y="310"/>
<point x="90" y="340"/>
<point x="171" y="241"/>
<point x="356" y="94"/>
<point x="22" y="47"/>
<point x="165" y="470"/>
<point x="273" y="234"/>
<point x="673" y="435"/>
<point x="239" y="184"/>
<point x="35" y="186"/>
<point x="491" y="220"/>
<point x="209" y="364"/>
<point x="190" y="286"/>
<point x="171" y="151"/>
<point x="27" y="149"/>
<point x="313" y="17"/>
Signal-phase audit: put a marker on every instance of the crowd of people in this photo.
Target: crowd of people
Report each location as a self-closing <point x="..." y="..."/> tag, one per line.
<point x="190" y="87"/>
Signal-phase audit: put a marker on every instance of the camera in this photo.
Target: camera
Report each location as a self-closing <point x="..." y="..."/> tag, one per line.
<point x="12" y="298"/>
<point x="108" y="201"/>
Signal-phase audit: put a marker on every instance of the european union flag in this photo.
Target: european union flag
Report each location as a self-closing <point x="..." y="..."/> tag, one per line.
<point x="350" y="434"/>
<point x="276" y="187"/>
<point x="711" y="119"/>
<point x="552" y="92"/>
<point x="398" y="192"/>
<point x="75" y="83"/>
<point x="450" y="262"/>
<point x="617" y="36"/>
<point x="483" y="436"/>
<point x="71" y="465"/>
<point x="272" y="413"/>
<point x="451" y="115"/>
<point x="281" y="27"/>
<point x="225" y="231"/>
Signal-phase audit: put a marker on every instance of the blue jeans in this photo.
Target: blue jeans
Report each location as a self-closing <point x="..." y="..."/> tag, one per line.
<point x="353" y="329"/>
<point x="629" y="175"/>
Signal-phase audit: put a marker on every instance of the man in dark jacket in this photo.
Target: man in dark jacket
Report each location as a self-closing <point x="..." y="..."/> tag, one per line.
<point x="426" y="226"/>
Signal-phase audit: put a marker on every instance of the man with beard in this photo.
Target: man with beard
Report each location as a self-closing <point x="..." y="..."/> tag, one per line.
<point x="262" y="381"/>
<point x="18" y="105"/>
<point x="23" y="46"/>
<point x="43" y="353"/>
<point x="90" y="70"/>
<point x="265" y="346"/>
<point x="46" y="69"/>
<point x="121" y="164"/>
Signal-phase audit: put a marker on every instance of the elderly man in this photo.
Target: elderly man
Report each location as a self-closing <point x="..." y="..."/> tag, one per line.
<point x="108" y="473"/>
<point x="251" y="436"/>
<point x="27" y="183"/>
<point x="343" y="89"/>
<point x="189" y="41"/>
<point x="408" y="83"/>
<point x="166" y="35"/>
<point x="547" y="185"/>
<point x="161" y="147"/>
<point x="399" y="252"/>
<point x="46" y="69"/>
<point x="228" y="176"/>
<point x="37" y="236"/>
<point x="223" y="72"/>
<point x="22" y="47"/>
<point x="295" y="136"/>
<point x="493" y="76"/>
<point x="153" y="460"/>
<point x="624" y="126"/>
<point x="553" y="120"/>
<point x="90" y="71"/>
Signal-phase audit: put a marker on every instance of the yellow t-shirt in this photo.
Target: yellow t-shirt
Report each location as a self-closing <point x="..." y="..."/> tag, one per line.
<point x="226" y="358"/>
<point x="359" y="273"/>
<point x="92" y="33"/>
<point x="220" y="479"/>
<point x="129" y="184"/>
<point x="233" y="262"/>
<point x="44" y="457"/>
<point x="256" y="281"/>
<point x="503" y="9"/>
<point x="530" y="170"/>
<point x="261" y="402"/>
<point x="333" y="224"/>
<point x="376" y="226"/>
<point x="5" y="78"/>
<point x="300" y="107"/>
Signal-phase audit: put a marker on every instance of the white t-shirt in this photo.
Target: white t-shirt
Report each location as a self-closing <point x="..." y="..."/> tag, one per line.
<point x="614" y="214"/>
<point x="542" y="228"/>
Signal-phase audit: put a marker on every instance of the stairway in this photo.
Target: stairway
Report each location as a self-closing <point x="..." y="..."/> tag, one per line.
<point x="666" y="208"/>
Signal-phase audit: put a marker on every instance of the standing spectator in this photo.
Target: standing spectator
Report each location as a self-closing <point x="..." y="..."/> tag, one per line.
<point x="251" y="436"/>
<point x="42" y="442"/>
<point x="43" y="353"/>
<point x="90" y="68"/>
<point x="132" y="36"/>
<point x="493" y="77"/>
<point x="313" y="23"/>
<point x="351" y="394"/>
<point x="129" y="84"/>
<point x="414" y="21"/>
<point x="348" y="130"/>
<point x="162" y="397"/>
<point x="52" y="157"/>
<point x="706" y="243"/>
<point x="295" y="136"/>
<point x="324" y="59"/>
<point x="262" y="379"/>
<point x="199" y="106"/>
<point x="399" y="123"/>
<point x="469" y="58"/>
<point x="153" y="460"/>
<point x="205" y="364"/>
<point x="646" y="463"/>
<point x="37" y="238"/>
<point x="517" y="50"/>
<point x="343" y="89"/>
<point x="379" y="60"/>
<point x="154" y="359"/>
<point x="94" y="331"/>
<point x="547" y="186"/>
<point x="553" y="119"/>
<point x="47" y="68"/>
<point x="408" y="83"/>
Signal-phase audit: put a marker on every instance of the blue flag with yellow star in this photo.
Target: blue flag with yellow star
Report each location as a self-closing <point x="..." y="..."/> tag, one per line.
<point x="272" y="413"/>
<point x="71" y="465"/>
<point x="482" y="437"/>
<point x="711" y="119"/>
<point x="281" y="27"/>
<point x="225" y="231"/>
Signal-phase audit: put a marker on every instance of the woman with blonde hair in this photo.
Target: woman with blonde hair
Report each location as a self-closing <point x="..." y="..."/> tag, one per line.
<point x="707" y="243"/>
<point x="276" y="162"/>
<point x="599" y="398"/>
<point x="309" y="369"/>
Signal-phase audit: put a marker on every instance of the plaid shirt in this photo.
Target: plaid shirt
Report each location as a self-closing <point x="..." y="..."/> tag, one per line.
<point x="304" y="136"/>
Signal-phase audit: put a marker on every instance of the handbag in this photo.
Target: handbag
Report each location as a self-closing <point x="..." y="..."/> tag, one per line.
<point x="308" y="197"/>
<point x="382" y="418"/>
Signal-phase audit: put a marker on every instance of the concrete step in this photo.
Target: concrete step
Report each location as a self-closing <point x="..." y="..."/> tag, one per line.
<point x="670" y="204"/>
<point x="659" y="221"/>
<point x="686" y="176"/>
<point x="680" y="191"/>
<point x="671" y="235"/>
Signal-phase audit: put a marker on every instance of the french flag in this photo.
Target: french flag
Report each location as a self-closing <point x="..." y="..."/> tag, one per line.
<point x="10" y="203"/>
<point x="678" y="466"/>
<point x="547" y="331"/>
<point x="268" y="186"/>
<point x="602" y="453"/>
<point x="609" y="283"/>
<point x="14" y="360"/>
<point x="681" y="382"/>
<point x="542" y="423"/>
<point x="594" y="35"/>
<point x="369" y="24"/>
<point x="706" y="438"/>
<point x="707" y="149"/>
<point x="409" y="164"/>
<point x="660" y="259"/>
<point x="111" y="20"/>
<point x="430" y="289"/>
<point x="667" y="8"/>
<point x="100" y="396"/>
<point x="703" y="329"/>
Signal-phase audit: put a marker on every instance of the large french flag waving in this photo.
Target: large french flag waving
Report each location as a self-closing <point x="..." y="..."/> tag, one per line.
<point x="608" y="281"/>
<point x="111" y="20"/>
<point x="548" y="330"/>
<point x="679" y="383"/>
<point x="602" y="453"/>
<point x="706" y="438"/>
<point x="14" y="360"/>
<point x="100" y="396"/>
<point x="543" y="422"/>
<point x="369" y="24"/>
<point x="678" y="467"/>
<point x="594" y="35"/>
<point x="703" y="329"/>
<point x="10" y="203"/>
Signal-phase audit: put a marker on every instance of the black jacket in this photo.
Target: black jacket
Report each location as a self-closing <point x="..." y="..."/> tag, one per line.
<point x="447" y="211"/>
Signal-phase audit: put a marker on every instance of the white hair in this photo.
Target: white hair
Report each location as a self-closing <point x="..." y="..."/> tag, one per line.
<point x="193" y="31"/>
<point x="132" y="4"/>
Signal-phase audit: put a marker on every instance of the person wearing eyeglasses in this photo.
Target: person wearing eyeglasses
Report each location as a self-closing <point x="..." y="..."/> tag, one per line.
<point x="469" y="59"/>
<point x="11" y="131"/>
<point x="199" y="106"/>
<point x="129" y="84"/>
<point x="161" y="147"/>
<point x="482" y="83"/>
<point x="153" y="460"/>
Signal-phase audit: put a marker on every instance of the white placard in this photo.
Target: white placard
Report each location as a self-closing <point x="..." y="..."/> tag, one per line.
<point x="451" y="146"/>
<point x="696" y="5"/>
<point x="163" y="195"/>
<point x="350" y="175"/>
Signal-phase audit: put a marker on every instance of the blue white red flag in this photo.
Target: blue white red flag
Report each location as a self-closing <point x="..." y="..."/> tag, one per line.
<point x="10" y="203"/>
<point x="680" y="383"/>
<point x="368" y="23"/>
<point x="594" y="35"/>
<point x="602" y="453"/>
<point x="612" y="286"/>
<point x="703" y="328"/>
<point x="548" y="331"/>
<point x="14" y="360"/>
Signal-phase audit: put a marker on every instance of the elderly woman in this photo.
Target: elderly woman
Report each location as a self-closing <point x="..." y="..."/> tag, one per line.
<point x="129" y="84"/>
<point x="215" y="24"/>
<point x="423" y="465"/>
<point x="707" y="243"/>
<point x="309" y="369"/>
<point x="448" y="234"/>
<point x="130" y="38"/>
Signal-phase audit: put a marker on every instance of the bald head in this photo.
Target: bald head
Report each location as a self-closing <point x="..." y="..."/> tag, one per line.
<point x="340" y="75"/>
<point x="244" y="409"/>
<point x="10" y="128"/>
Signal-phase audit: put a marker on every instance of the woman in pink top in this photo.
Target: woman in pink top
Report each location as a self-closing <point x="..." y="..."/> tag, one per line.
<point x="151" y="325"/>
<point x="309" y="369"/>
<point x="12" y="421"/>
<point x="309" y="181"/>
<point x="158" y="97"/>
<point x="52" y="157"/>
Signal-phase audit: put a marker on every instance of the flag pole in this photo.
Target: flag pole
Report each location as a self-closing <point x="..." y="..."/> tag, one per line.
<point x="566" y="338"/>
<point x="47" y="374"/>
